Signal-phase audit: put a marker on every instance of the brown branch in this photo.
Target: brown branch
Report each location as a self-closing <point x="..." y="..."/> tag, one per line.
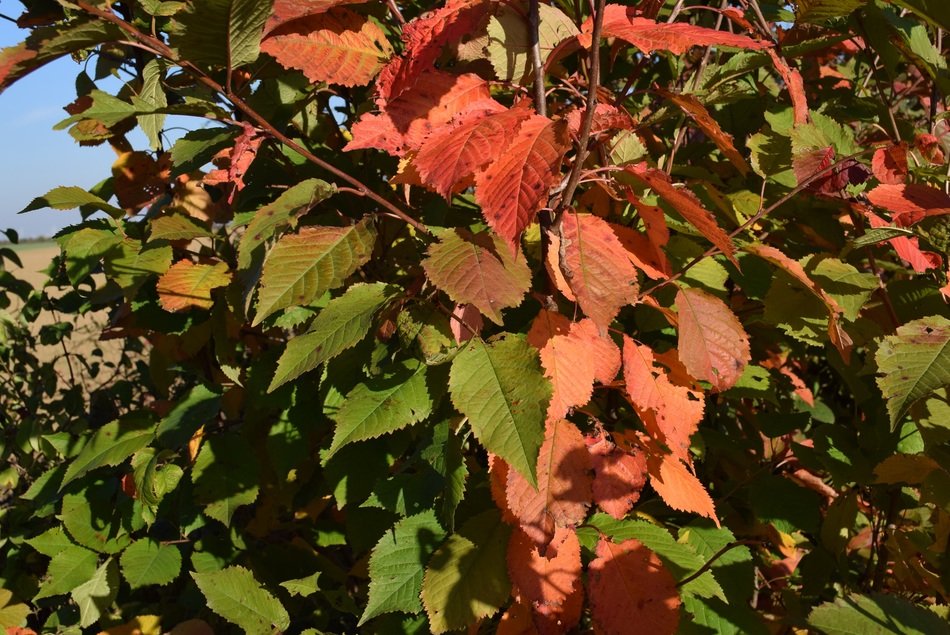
<point x="588" y="122"/>
<point x="534" y="24"/>
<point x="161" y="49"/>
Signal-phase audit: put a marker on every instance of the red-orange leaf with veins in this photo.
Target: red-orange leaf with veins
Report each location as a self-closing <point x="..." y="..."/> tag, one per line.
<point x="187" y="285"/>
<point x="908" y="247"/>
<point x="603" y="350"/>
<point x="698" y="113"/>
<point x="337" y="47"/>
<point x="676" y="411"/>
<point x="596" y="267"/>
<point x="573" y="361"/>
<point x="687" y="205"/>
<point x="712" y="343"/>
<point x="517" y="620"/>
<point x="453" y="153"/>
<point x="405" y="122"/>
<point x="889" y="165"/>
<point x="631" y="591"/>
<point x="619" y="476"/>
<point x="643" y="252"/>
<point x="678" y="487"/>
<point x="795" y="85"/>
<point x="498" y="482"/>
<point x="648" y="36"/>
<point x="546" y="325"/>
<point x="911" y="203"/>
<point x="550" y="583"/>
<point x="286" y="10"/>
<point x="513" y="188"/>
<point x="564" y="484"/>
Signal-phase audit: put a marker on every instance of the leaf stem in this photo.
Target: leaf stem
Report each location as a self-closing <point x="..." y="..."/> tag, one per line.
<point x="163" y="50"/>
<point x="703" y="569"/>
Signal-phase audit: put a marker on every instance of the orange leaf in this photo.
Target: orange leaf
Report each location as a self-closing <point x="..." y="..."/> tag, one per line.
<point x="606" y="118"/>
<point x="643" y="252"/>
<point x="795" y="85"/>
<point x="453" y="153"/>
<point x="687" y="205"/>
<point x="676" y="411"/>
<point x="698" y="113"/>
<point x="619" y="476"/>
<point x="406" y="121"/>
<point x="498" y="481"/>
<point x="188" y="285"/>
<point x="889" y="164"/>
<point x="631" y="591"/>
<point x="513" y="188"/>
<point x="908" y="247"/>
<point x="549" y="583"/>
<point x="517" y="620"/>
<point x="546" y="325"/>
<point x="678" y="487"/>
<point x="596" y="266"/>
<point x="337" y="47"/>
<point x="712" y="343"/>
<point x="564" y="484"/>
<point x="567" y="363"/>
<point x="287" y="10"/>
<point x="911" y="203"/>
<point x="648" y="35"/>
<point x="601" y="349"/>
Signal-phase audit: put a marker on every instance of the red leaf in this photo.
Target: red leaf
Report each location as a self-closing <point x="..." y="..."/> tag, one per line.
<point x="596" y="267"/>
<point x="286" y="10"/>
<point x="795" y="85"/>
<point x="687" y="205"/>
<point x="337" y="47"/>
<point x="549" y="583"/>
<point x="889" y="164"/>
<point x="423" y="40"/>
<point x="908" y="247"/>
<point x="911" y="203"/>
<point x="618" y="476"/>
<point x="712" y="343"/>
<point x="546" y="325"/>
<point x="698" y="113"/>
<point x="676" y="410"/>
<point x="678" y="487"/>
<point x="405" y="122"/>
<point x="929" y="147"/>
<point x="564" y="484"/>
<point x="513" y="188"/>
<point x="454" y="153"/>
<point x="631" y="591"/>
<point x="648" y="35"/>
<point x="467" y="316"/>
<point x="606" y="118"/>
<point x="240" y="158"/>
<point x="643" y="252"/>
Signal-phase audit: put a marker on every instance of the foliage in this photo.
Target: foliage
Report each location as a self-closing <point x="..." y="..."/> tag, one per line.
<point x="517" y="317"/>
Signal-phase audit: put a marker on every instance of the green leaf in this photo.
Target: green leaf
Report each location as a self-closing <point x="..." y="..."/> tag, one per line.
<point x="937" y="12"/>
<point x="198" y="147"/>
<point x="235" y="595"/>
<point x="341" y="325"/>
<point x="818" y="11"/>
<point x="176" y="227"/>
<point x="397" y="565"/>
<point x="199" y="407"/>
<point x="152" y="479"/>
<point x="848" y="286"/>
<point x="712" y="615"/>
<point x="875" y="615"/>
<point x="913" y="363"/>
<point x="84" y="248"/>
<point x="467" y="578"/>
<point x="153" y="94"/>
<point x="51" y="542"/>
<point x="224" y="33"/>
<point x="67" y="570"/>
<point x="284" y="211"/>
<point x="225" y="476"/>
<point x="111" y="444"/>
<point x="129" y="264"/>
<point x="382" y="405"/>
<point x="878" y="235"/>
<point x="301" y="267"/>
<point x="12" y="615"/>
<point x="509" y="43"/>
<point x="72" y="197"/>
<point x="95" y="596"/>
<point x="147" y="562"/>
<point x="304" y="587"/>
<point x="500" y="388"/>
<point x="99" y="517"/>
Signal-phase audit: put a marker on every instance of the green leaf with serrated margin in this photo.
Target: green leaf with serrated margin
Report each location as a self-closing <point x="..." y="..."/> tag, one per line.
<point x="301" y="267"/>
<point x="304" y="587"/>
<point x="499" y="386"/>
<point x="341" y="325"/>
<point x="478" y="269"/>
<point x="224" y="33"/>
<point x="176" y="227"/>
<point x="235" y="595"/>
<point x="99" y="517"/>
<point x="95" y="596"/>
<point x="84" y="248"/>
<point x="878" y="235"/>
<point x="147" y="562"/>
<point x="382" y="405"/>
<point x="509" y="42"/>
<point x="111" y="444"/>
<point x="198" y="147"/>
<point x="67" y="570"/>
<point x="913" y="363"/>
<point x="877" y="614"/>
<point x="51" y="542"/>
<point x="153" y="94"/>
<point x="225" y="475"/>
<point x="396" y="565"/>
<point x="284" y="211"/>
<point x="199" y="407"/>
<point x="71" y="197"/>
<point x="466" y="579"/>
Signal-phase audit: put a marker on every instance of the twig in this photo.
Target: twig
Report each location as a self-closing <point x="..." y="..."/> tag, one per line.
<point x="534" y="24"/>
<point x="703" y="569"/>
<point x="397" y="14"/>
<point x="161" y="49"/>
<point x="588" y="122"/>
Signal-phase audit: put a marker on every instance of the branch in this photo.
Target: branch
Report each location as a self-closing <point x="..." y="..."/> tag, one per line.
<point x="160" y="48"/>
<point x="534" y="24"/>
<point x="703" y="569"/>
<point x="588" y="123"/>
